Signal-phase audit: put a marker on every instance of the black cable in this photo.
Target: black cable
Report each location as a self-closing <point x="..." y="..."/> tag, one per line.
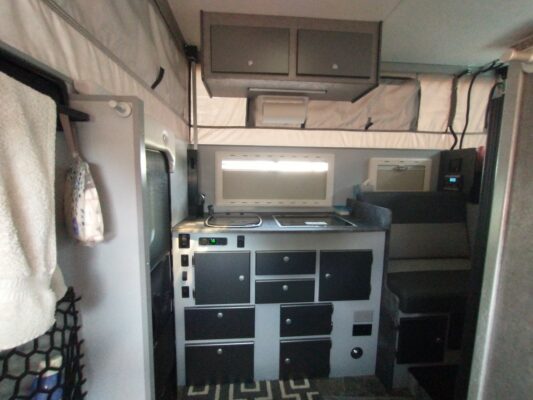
<point x="492" y="66"/>
<point x="467" y="115"/>
<point x="159" y="78"/>
<point x="454" y="137"/>
<point x="453" y="106"/>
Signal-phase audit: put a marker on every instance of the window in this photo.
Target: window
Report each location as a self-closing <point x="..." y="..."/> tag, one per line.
<point x="274" y="179"/>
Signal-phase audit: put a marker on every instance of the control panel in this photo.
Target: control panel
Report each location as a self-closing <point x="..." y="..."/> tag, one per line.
<point x="213" y="241"/>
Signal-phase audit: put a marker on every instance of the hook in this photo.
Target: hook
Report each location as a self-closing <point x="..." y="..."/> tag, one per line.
<point x="123" y="109"/>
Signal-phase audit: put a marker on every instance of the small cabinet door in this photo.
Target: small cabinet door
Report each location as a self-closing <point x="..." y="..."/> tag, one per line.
<point x="304" y="358"/>
<point x="219" y="322"/>
<point x="284" y="291"/>
<point x="345" y="275"/>
<point x="285" y="262"/>
<point x="305" y="319"/>
<point x="219" y="363"/>
<point x="337" y="54"/>
<point x="422" y="339"/>
<point x="222" y="277"/>
<point x="249" y="50"/>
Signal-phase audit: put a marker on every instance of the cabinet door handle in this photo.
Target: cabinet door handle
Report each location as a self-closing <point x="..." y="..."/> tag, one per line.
<point x="241" y="278"/>
<point x="286" y="259"/>
<point x="220" y="315"/>
<point x="250" y="63"/>
<point x="335" y="66"/>
<point x="219" y="351"/>
<point x="327" y="275"/>
<point x="288" y="321"/>
<point x="285" y="287"/>
<point x="287" y="361"/>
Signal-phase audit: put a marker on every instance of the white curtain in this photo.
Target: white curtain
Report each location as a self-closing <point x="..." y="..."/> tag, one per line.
<point x="36" y="28"/>
<point x="393" y="105"/>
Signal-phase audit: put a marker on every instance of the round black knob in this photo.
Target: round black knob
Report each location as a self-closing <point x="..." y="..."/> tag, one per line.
<point x="356" y="352"/>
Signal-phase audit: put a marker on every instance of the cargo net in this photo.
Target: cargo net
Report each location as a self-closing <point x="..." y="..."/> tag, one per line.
<point x="49" y="367"/>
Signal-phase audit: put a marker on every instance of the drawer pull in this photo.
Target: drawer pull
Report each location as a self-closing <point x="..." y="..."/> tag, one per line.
<point x="288" y="321"/>
<point x="220" y="315"/>
<point x="286" y="259"/>
<point x="250" y="63"/>
<point x="328" y="275"/>
<point x="285" y="288"/>
<point x="356" y="353"/>
<point x="220" y="351"/>
<point x="287" y="361"/>
<point x="335" y="66"/>
<point x="241" y="278"/>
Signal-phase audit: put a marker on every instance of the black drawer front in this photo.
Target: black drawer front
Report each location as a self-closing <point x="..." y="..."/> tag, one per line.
<point x="285" y="262"/>
<point x="304" y="359"/>
<point x="219" y="323"/>
<point x="422" y="339"/>
<point x="345" y="275"/>
<point x="284" y="291"/>
<point x="305" y="319"/>
<point x="219" y="363"/>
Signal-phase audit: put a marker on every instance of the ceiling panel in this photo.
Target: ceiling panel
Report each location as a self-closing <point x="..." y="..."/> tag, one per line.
<point x="456" y="32"/>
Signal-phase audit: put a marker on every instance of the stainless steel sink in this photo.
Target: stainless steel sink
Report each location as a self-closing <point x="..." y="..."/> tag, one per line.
<point x="233" y="221"/>
<point x="311" y="221"/>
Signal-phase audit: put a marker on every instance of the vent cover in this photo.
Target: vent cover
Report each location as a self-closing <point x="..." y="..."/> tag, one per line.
<point x="279" y="111"/>
<point x="399" y="174"/>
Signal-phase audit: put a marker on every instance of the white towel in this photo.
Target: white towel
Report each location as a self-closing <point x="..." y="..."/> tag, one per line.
<point x="27" y="213"/>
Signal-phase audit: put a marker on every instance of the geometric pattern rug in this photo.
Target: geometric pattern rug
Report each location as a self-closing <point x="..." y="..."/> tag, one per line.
<point x="300" y="389"/>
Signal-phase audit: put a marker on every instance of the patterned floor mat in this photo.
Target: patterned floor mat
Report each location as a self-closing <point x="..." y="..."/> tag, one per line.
<point x="264" y="390"/>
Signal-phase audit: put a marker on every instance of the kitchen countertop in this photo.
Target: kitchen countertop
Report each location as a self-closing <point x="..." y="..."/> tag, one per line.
<point x="367" y="218"/>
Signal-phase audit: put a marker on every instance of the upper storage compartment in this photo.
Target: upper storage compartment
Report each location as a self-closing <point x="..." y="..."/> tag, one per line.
<point x="249" y="50"/>
<point x="339" y="54"/>
<point x="249" y="55"/>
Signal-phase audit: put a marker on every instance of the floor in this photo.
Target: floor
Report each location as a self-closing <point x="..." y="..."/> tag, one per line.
<point x="360" y="388"/>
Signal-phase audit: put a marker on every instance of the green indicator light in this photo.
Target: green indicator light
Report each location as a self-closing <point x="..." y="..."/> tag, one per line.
<point x="213" y="241"/>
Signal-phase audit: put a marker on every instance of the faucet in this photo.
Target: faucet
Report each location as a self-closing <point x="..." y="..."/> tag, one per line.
<point x="210" y="210"/>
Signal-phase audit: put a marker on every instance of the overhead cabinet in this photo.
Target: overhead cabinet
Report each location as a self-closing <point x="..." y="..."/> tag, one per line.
<point x="245" y="50"/>
<point x="339" y="54"/>
<point x="249" y="55"/>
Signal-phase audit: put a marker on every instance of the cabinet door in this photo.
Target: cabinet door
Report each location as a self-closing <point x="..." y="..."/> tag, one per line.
<point x="305" y="319"/>
<point x="222" y="277"/>
<point x="345" y="275"/>
<point x="304" y="358"/>
<point x="284" y="291"/>
<point x="422" y="339"/>
<point x="338" y="54"/>
<point x="219" y="322"/>
<point x="285" y="262"/>
<point x="219" y="363"/>
<point x="249" y="50"/>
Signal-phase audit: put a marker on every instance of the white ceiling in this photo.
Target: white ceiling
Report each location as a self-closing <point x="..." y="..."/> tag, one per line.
<point x="446" y="32"/>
